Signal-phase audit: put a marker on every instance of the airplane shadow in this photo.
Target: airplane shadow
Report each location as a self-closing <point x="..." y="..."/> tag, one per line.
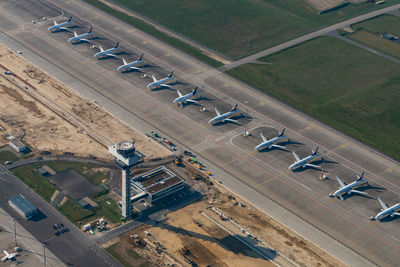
<point x="97" y="38"/>
<point x="162" y="88"/>
<point x="107" y="58"/>
<point x="389" y="218"/>
<point x="346" y="196"/>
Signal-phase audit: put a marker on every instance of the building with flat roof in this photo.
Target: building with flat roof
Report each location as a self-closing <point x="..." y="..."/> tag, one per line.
<point x="23" y="206"/>
<point x="16" y="144"/>
<point x="155" y="184"/>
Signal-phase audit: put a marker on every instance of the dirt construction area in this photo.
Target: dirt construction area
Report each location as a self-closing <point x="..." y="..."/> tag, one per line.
<point x="47" y="115"/>
<point x="220" y="230"/>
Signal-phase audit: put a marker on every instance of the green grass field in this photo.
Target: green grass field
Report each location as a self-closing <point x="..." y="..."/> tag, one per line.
<point x="238" y="28"/>
<point x="30" y="177"/>
<point x="90" y="172"/>
<point x="74" y="212"/>
<point x="337" y="83"/>
<point x="374" y="41"/>
<point x="369" y="33"/>
<point x="380" y="25"/>
<point x="7" y="156"/>
<point x="188" y="49"/>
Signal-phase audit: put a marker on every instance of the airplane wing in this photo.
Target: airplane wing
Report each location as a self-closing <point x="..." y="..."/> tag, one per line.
<point x="396" y="213"/>
<point x="384" y="206"/>
<point x="230" y="120"/>
<point x="134" y="68"/>
<point x="85" y="40"/>
<point x="216" y="111"/>
<point x="340" y="182"/>
<point x="55" y="23"/>
<point x="4" y="258"/>
<point x="295" y="156"/>
<point x="190" y="100"/>
<point x="358" y="192"/>
<point x="111" y="55"/>
<point x="179" y="93"/>
<point x="7" y="254"/>
<point x="312" y="166"/>
<point x="278" y="146"/>
<point x="75" y="34"/>
<point x="165" y="85"/>
<point x="63" y="28"/>
<point x="154" y="79"/>
<point x="263" y="137"/>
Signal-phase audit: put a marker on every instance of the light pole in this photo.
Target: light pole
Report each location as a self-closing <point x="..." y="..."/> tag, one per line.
<point x="15" y="233"/>
<point x="44" y="253"/>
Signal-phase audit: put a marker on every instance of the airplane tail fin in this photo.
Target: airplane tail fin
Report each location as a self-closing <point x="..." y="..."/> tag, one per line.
<point x="360" y="177"/>
<point x="315" y="151"/>
<point x="123" y="60"/>
<point x="171" y="74"/>
<point x="116" y="45"/>
<point x="235" y="107"/>
<point x="195" y="90"/>
<point x="141" y="57"/>
<point x="282" y="132"/>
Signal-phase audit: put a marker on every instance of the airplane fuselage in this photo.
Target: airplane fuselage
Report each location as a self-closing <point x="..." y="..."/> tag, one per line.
<point x="303" y="162"/>
<point x="269" y="143"/>
<point x="388" y="212"/>
<point x="183" y="98"/>
<point x="58" y="26"/>
<point x="106" y="52"/>
<point x="131" y="64"/>
<point x="347" y="188"/>
<point x="222" y="117"/>
<point x="79" y="37"/>
<point x="160" y="82"/>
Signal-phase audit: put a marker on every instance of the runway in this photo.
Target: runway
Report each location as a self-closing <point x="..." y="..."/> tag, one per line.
<point x="260" y="177"/>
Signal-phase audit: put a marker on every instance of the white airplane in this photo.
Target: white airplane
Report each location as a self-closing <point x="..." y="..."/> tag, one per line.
<point x="183" y="99"/>
<point x="60" y="26"/>
<point x="109" y="52"/>
<point x="81" y="37"/>
<point x="130" y="65"/>
<point x="271" y="142"/>
<point x="304" y="162"/>
<point x="348" y="189"/>
<point x="386" y="211"/>
<point x="9" y="256"/>
<point x="224" y="117"/>
<point x="161" y="83"/>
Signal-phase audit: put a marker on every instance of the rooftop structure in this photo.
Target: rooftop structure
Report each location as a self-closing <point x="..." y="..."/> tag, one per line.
<point x="23" y="206"/>
<point x="16" y="144"/>
<point x="124" y="152"/>
<point x="156" y="184"/>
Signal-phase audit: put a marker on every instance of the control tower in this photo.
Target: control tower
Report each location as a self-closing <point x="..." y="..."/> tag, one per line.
<point x="125" y="157"/>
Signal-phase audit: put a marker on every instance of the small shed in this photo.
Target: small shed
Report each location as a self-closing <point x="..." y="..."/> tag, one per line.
<point x="87" y="203"/>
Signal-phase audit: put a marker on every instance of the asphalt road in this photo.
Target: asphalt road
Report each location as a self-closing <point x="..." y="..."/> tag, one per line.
<point x="73" y="248"/>
<point x="299" y="200"/>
